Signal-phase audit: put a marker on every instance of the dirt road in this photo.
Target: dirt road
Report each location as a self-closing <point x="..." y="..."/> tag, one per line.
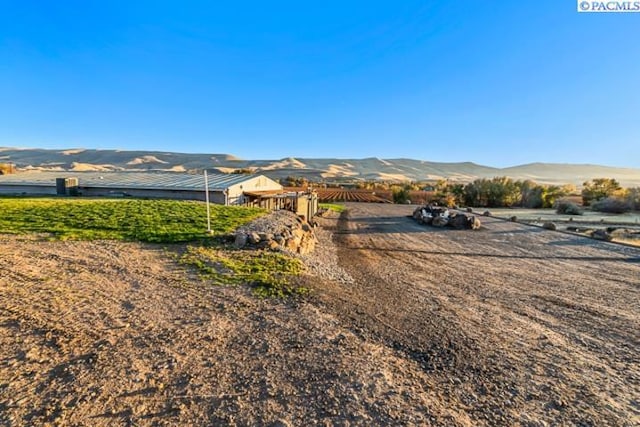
<point x="511" y="324"/>
<point x="508" y="325"/>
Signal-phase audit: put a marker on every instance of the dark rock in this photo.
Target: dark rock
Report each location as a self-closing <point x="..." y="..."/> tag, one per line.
<point x="240" y="241"/>
<point x="601" y="235"/>
<point x="439" y="221"/>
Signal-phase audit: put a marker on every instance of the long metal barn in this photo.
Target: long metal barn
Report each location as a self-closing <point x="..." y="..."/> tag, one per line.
<point x="224" y="189"/>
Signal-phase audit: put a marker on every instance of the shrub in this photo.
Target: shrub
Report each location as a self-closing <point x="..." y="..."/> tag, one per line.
<point x="401" y="196"/>
<point x="612" y="205"/>
<point x="566" y="207"/>
<point x="448" y="200"/>
<point x="598" y="189"/>
<point x="633" y="197"/>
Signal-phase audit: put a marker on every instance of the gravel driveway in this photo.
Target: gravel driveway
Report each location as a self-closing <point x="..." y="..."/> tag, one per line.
<point x="511" y="323"/>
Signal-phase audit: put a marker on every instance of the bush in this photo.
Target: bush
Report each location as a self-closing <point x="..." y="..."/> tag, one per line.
<point x="612" y="205"/>
<point x="633" y="197"/>
<point x="401" y="196"/>
<point x="566" y="207"/>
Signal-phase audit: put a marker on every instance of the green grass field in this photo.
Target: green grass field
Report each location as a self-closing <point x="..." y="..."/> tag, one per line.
<point x="158" y="221"/>
<point x="332" y="206"/>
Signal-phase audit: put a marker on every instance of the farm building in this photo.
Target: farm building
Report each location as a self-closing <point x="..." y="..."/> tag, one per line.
<point x="301" y="202"/>
<point x="223" y="189"/>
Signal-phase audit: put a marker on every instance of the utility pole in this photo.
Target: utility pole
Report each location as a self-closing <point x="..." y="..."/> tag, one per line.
<point x="206" y="197"/>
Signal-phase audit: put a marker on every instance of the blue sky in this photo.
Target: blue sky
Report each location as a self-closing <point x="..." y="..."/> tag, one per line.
<point x="494" y="82"/>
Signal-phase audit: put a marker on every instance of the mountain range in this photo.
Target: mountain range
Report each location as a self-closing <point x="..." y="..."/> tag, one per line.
<point x="326" y="169"/>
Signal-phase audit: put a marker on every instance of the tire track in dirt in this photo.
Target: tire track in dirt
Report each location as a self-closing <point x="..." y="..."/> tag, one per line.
<point x="516" y="323"/>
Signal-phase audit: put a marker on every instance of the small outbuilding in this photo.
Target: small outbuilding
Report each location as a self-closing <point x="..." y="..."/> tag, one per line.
<point x="224" y="189"/>
<point x="303" y="203"/>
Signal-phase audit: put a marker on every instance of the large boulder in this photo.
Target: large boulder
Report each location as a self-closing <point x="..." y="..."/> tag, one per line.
<point x="439" y="211"/>
<point x="427" y="219"/>
<point x="265" y="236"/>
<point x="474" y="223"/>
<point x="440" y="221"/>
<point x="601" y="235"/>
<point x="254" y="238"/>
<point x="458" y="222"/>
<point x="240" y="241"/>
<point x="464" y="222"/>
<point x="273" y="245"/>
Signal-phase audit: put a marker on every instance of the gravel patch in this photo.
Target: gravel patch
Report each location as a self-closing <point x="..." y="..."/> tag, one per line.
<point x="323" y="262"/>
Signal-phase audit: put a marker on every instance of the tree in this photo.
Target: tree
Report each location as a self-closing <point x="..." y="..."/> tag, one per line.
<point x="497" y="192"/>
<point x="599" y="188"/>
<point x="528" y="193"/>
<point x="476" y="193"/>
<point x="457" y="190"/>
<point x="551" y="194"/>
<point x="401" y="195"/>
<point x="503" y="192"/>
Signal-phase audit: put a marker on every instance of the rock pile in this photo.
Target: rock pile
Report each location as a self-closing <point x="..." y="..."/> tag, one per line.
<point x="440" y="217"/>
<point x="278" y="231"/>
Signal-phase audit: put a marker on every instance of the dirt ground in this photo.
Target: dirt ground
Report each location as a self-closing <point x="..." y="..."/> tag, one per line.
<point x="507" y="325"/>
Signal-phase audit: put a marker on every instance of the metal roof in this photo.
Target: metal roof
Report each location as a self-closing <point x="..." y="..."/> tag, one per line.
<point x="131" y="180"/>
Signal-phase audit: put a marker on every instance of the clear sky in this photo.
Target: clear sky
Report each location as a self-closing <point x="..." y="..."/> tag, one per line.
<point x="494" y="82"/>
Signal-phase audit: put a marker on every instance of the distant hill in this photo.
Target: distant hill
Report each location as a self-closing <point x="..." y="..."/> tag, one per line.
<point x="327" y="169"/>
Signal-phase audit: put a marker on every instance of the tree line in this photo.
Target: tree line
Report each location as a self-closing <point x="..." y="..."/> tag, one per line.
<point x="501" y="192"/>
<point x="602" y="194"/>
<point x="505" y="192"/>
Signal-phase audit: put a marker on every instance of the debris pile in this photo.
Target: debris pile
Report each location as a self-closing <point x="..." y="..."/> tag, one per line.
<point x="438" y="216"/>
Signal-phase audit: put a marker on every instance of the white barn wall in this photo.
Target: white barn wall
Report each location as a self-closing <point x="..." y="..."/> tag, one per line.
<point x="254" y="184"/>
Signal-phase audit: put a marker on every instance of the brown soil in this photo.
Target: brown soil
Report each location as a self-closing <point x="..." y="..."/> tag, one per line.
<point x="508" y="325"/>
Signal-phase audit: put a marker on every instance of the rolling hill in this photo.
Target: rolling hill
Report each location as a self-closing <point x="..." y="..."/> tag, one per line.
<point x="327" y="169"/>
